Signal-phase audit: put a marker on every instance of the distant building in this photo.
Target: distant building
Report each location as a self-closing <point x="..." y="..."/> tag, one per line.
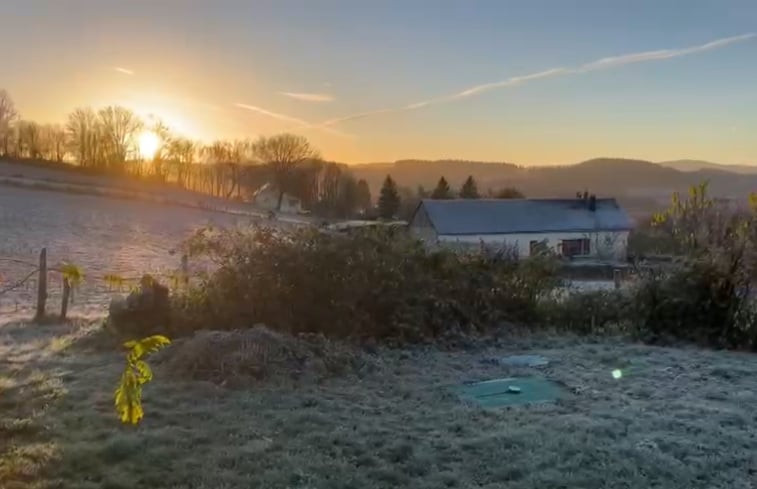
<point x="267" y="197"/>
<point x="586" y="228"/>
<point x="348" y="227"/>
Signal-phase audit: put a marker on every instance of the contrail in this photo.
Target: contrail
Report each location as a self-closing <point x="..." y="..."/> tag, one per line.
<point x="309" y="97"/>
<point x="123" y="71"/>
<point x="516" y="80"/>
<point x="287" y="118"/>
<point x="627" y="59"/>
<point x="603" y="63"/>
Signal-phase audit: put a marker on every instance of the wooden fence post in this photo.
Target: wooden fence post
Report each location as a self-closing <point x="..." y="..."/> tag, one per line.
<point x="184" y="270"/>
<point x="42" y="285"/>
<point x="65" y="300"/>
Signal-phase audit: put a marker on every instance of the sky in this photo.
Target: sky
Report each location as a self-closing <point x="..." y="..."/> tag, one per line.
<point x="531" y="82"/>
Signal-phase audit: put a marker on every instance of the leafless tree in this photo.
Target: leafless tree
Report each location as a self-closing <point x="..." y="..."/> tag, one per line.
<point x="29" y="139"/>
<point x="284" y="153"/>
<point x="119" y="129"/>
<point x="84" y="137"/>
<point x="182" y="154"/>
<point x="8" y="115"/>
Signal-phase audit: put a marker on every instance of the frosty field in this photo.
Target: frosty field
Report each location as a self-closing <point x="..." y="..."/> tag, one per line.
<point x="100" y="235"/>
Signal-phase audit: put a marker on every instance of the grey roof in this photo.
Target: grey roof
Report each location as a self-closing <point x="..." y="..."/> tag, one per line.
<point x="504" y="216"/>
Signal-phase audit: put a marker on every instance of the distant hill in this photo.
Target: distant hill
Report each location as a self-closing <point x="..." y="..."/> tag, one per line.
<point x="412" y="173"/>
<point x="641" y="186"/>
<point x="695" y="165"/>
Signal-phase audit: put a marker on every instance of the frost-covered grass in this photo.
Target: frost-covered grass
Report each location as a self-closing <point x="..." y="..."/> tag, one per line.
<point x="677" y="418"/>
<point x="100" y="235"/>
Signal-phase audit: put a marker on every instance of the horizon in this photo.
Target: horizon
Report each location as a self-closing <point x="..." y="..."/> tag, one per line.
<point x="537" y="84"/>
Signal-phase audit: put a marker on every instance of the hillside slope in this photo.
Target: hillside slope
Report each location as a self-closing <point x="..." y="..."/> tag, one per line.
<point x="642" y="186"/>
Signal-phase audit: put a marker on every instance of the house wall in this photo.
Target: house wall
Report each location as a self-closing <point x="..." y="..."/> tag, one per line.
<point x="604" y="245"/>
<point x="269" y="201"/>
<point x="420" y="227"/>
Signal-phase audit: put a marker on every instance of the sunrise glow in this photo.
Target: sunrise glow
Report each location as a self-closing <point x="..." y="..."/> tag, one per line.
<point x="149" y="143"/>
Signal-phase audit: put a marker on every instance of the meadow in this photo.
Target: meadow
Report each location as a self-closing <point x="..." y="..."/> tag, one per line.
<point x="100" y="235"/>
<point x="677" y="418"/>
<point x="382" y="413"/>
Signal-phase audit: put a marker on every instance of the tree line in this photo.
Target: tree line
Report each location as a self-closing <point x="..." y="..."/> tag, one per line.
<point x="106" y="141"/>
<point x="392" y="203"/>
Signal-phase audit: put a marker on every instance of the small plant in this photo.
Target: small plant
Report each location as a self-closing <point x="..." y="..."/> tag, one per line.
<point x="115" y="281"/>
<point x="72" y="273"/>
<point x="128" y="395"/>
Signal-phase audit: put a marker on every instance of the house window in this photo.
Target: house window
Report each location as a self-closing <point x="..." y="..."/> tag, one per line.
<point x="537" y="247"/>
<point x="576" y="247"/>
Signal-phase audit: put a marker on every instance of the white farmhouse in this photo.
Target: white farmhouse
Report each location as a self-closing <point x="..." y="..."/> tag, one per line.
<point x="586" y="228"/>
<point x="267" y="197"/>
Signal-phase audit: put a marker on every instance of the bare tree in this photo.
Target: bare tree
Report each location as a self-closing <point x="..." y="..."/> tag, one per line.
<point x="181" y="153"/>
<point x="84" y="137"/>
<point x="119" y="128"/>
<point x="216" y="154"/>
<point x="29" y="139"/>
<point x="8" y="115"/>
<point x="284" y="153"/>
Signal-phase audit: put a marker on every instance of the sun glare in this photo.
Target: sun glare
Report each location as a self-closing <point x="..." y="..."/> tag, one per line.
<point x="149" y="142"/>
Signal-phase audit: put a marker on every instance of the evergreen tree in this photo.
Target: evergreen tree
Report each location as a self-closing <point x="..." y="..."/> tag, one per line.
<point x="469" y="189"/>
<point x="442" y="190"/>
<point x="389" y="200"/>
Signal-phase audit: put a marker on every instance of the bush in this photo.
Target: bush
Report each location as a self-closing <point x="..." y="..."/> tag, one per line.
<point x="707" y="298"/>
<point x="375" y="284"/>
<point x="703" y="301"/>
<point x="591" y="312"/>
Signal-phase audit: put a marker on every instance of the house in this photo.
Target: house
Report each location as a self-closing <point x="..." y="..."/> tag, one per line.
<point x="583" y="227"/>
<point x="267" y="197"/>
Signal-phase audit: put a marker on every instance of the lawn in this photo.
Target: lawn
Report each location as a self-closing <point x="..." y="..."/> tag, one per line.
<point x="677" y="418"/>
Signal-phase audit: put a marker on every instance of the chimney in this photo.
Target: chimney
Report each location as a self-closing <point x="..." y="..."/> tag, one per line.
<point x="593" y="203"/>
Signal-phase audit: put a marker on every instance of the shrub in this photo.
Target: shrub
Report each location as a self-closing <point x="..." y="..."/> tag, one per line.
<point x="590" y="312"/>
<point x="375" y="284"/>
<point x="704" y="301"/>
<point x="707" y="298"/>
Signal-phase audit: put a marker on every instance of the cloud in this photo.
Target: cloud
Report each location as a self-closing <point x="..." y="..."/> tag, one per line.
<point x="642" y="57"/>
<point x="309" y="97"/>
<point x="468" y="92"/>
<point x="286" y="118"/>
<point x="603" y="63"/>
<point x="123" y="71"/>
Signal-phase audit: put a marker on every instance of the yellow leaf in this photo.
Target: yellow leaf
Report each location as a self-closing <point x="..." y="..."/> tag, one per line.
<point x="144" y="373"/>
<point x="128" y="395"/>
<point x="154" y="343"/>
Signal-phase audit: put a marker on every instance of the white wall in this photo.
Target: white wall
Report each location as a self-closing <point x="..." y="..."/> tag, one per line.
<point x="269" y="201"/>
<point x="604" y="245"/>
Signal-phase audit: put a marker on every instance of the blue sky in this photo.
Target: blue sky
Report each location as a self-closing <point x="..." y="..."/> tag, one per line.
<point x="198" y="64"/>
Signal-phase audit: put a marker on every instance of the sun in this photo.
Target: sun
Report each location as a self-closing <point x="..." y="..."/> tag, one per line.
<point x="149" y="143"/>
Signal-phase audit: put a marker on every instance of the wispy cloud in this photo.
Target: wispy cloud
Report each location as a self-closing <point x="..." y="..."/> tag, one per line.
<point x="123" y="71"/>
<point x="603" y="63"/>
<point x="468" y="92"/>
<point x="642" y="57"/>
<point x="286" y="118"/>
<point x="309" y="97"/>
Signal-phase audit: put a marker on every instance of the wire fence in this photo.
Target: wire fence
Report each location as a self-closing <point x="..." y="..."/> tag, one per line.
<point x="35" y="288"/>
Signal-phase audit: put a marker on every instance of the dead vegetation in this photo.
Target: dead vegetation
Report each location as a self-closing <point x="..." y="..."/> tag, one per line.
<point x="241" y="357"/>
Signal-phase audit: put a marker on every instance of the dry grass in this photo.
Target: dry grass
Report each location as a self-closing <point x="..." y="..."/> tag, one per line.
<point x="679" y="418"/>
<point x="245" y="357"/>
